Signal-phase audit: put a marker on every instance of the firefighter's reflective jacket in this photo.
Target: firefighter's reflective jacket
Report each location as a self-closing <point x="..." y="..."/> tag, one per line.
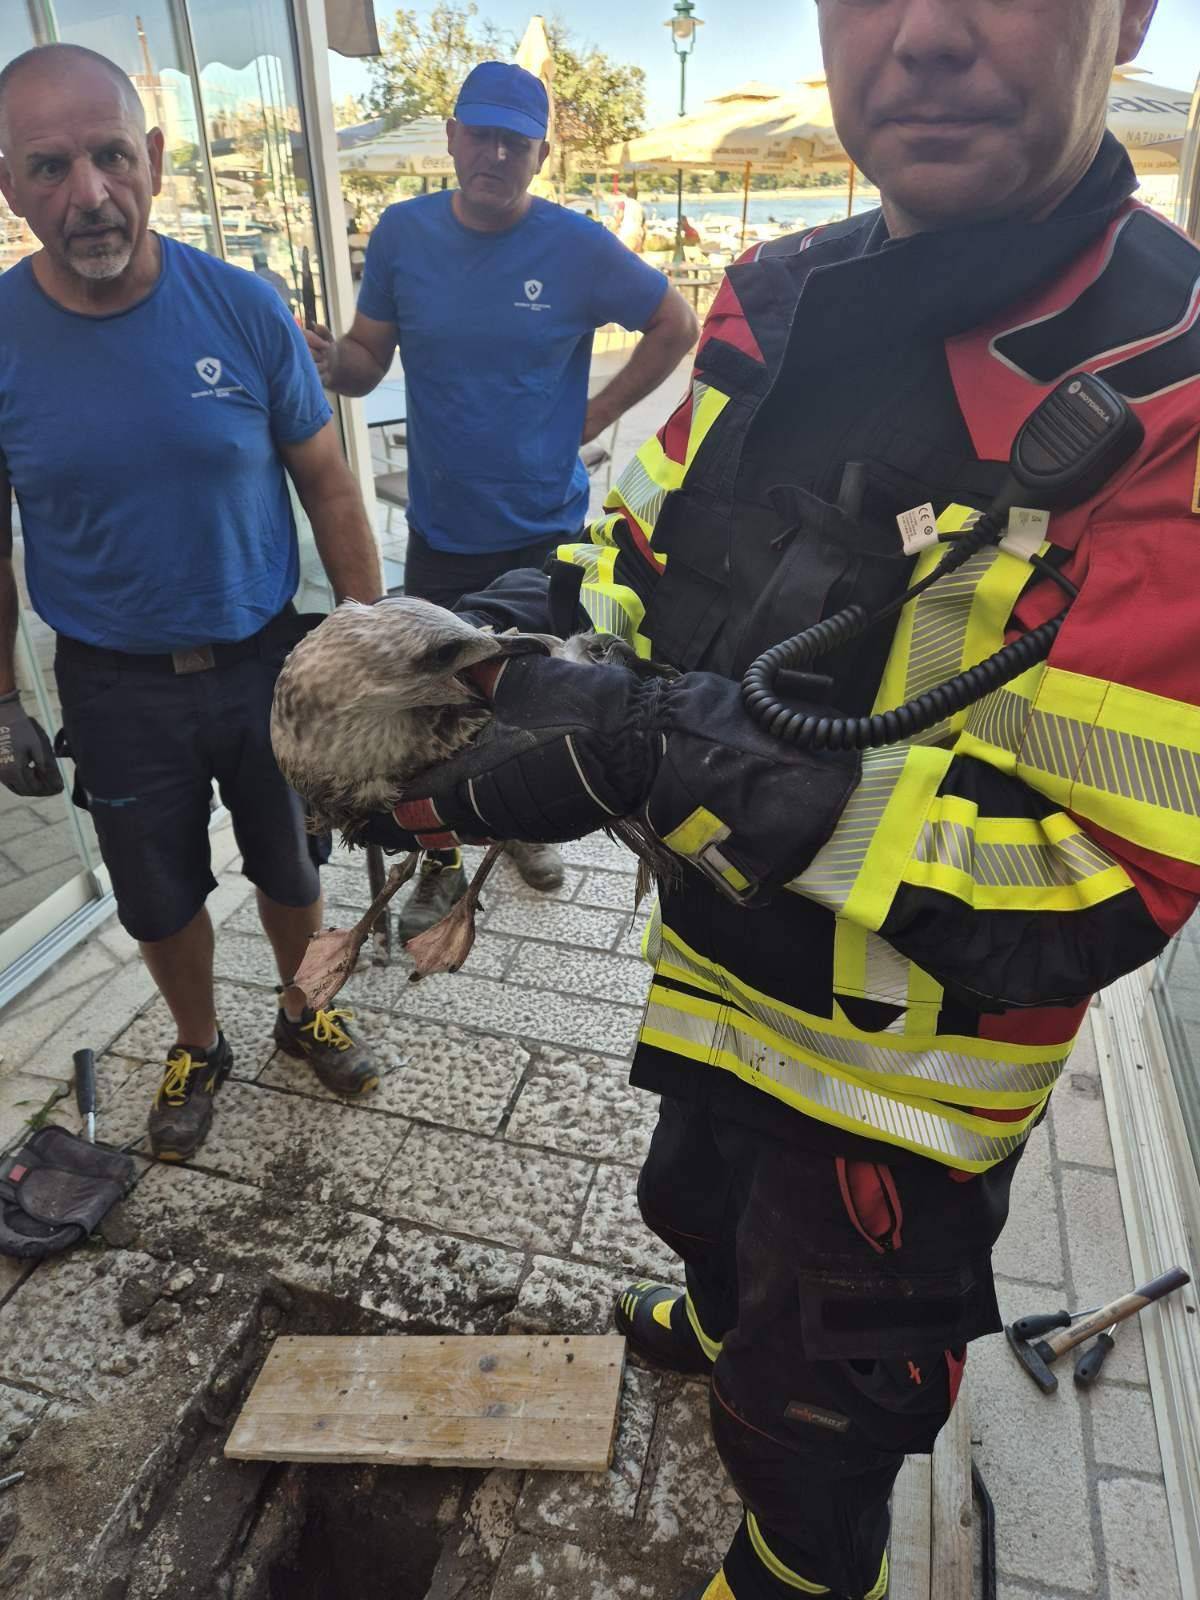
<point x="923" y="980"/>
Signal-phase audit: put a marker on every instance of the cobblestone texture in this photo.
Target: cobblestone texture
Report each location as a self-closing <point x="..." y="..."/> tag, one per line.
<point x="583" y="1105"/>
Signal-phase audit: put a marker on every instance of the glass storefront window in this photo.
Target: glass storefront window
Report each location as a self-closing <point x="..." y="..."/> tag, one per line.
<point x="220" y="78"/>
<point x="1176" y="994"/>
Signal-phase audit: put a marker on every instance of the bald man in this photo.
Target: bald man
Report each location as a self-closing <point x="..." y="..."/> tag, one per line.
<point x="153" y="403"/>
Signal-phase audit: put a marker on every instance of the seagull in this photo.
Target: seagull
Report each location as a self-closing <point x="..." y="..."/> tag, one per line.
<point x="375" y="695"/>
<point x="371" y="699"/>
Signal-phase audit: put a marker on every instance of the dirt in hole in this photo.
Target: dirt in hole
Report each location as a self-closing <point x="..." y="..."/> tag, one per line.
<point x="368" y="1533"/>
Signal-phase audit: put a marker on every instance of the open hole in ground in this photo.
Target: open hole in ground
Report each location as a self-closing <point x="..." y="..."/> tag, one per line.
<point x="365" y="1533"/>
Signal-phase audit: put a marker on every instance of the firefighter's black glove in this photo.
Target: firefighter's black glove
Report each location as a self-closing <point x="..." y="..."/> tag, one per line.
<point x="27" y="764"/>
<point x="573" y="748"/>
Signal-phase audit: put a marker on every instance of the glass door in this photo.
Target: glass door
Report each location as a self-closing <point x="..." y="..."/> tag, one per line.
<point x="221" y="78"/>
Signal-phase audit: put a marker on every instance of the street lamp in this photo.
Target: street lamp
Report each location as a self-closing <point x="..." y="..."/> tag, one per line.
<point x="683" y="27"/>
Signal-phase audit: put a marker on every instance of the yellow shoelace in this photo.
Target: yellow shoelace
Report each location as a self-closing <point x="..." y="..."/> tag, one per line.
<point x="173" y="1088"/>
<point x="326" y="1028"/>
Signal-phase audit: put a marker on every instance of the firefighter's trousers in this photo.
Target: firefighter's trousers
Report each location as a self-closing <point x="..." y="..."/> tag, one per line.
<point x="837" y="1297"/>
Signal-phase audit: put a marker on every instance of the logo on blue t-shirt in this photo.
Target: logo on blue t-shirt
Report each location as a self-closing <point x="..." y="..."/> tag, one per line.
<point x="533" y="296"/>
<point x="209" y="369"/>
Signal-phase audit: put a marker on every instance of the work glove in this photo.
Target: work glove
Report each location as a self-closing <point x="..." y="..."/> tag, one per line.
<point x="27" y="764"/>
<point x="573" y="748"/>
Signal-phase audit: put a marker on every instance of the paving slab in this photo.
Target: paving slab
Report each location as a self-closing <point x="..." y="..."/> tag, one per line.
<point x="1080" y="1121"/>
<point x="691" y="1505"/>
<point x="598" y="850"/>
<point x="534" y="1568"/>
<point x="615" y="890"/>
<point x="622" y="979"/>
<point x="585" y="1106"/>
<point x="214" y="1221"/>
<point x="561" y="1296"/>
<point x="434" y="1072"/>
<point x="246" y="1016"/>
<point x="309" y="1149"/>
<point x="435" y="1283"/>
<point x="544" y="1014"/>
<point x="590" y="1503"/>
<point x="1100" y="1265"/>
<point x="1031" y="1453"/>
<point x="1123" y="1430"/>
<point x="1137" y="1540"/>
<point x="22" y="1098"/>
<point x="1031" y="1246"/>
<point x="564" y="924"/>
<point x="511" y="1194"/>
<point x="18" y="1408"/>
<point x="112" y="1074"/>
<point x="613" y="1230"/>
<point x="61" y="1333"/>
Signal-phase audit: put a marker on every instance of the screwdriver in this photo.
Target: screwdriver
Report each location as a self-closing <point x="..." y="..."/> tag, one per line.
<point x="1087" y="1368"/>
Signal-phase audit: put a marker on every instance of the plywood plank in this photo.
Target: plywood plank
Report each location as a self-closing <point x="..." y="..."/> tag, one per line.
<point x="912" y="1530"/>
<point x="536" y="1402"/>
<point x="951" y="1576"/>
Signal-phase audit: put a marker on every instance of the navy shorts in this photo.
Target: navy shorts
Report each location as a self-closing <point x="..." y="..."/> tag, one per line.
<point x="148" y="746"/>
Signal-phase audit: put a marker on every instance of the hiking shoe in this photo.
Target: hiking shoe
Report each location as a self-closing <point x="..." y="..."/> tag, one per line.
<point x="654" y="1318"/>
<point x="182" y="1112"/>
<point x="439" y="887"/>
<point x="323" y="1040"/>
<point x="541" y="865"/>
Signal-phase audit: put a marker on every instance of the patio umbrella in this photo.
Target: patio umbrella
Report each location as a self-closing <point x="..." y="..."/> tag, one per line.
<point x="1149" y="119"/>
<point x="415" y="149"/>
<point x="533" y="53"/>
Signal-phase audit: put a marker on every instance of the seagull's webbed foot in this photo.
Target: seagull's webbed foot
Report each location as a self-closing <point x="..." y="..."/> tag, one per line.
<point x="445" y="946"/>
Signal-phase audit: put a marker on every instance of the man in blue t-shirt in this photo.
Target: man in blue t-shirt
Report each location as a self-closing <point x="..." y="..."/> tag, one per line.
<point x="493" y="297"/>
<point x="153" y="401"/>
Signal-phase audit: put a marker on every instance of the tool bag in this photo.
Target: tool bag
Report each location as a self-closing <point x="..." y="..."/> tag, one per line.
<point x="55" y="1190"/>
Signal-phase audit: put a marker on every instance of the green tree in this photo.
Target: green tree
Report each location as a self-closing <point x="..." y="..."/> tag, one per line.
<point x="423" y="59"/>
<point x="598" y="102"/>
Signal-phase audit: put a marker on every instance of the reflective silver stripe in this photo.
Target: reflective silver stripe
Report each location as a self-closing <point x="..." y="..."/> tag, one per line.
<point x="1124" y="764"/>
<point x="947" y="1067"/>
<point x="640" y="493"/>
<point x="918" y="1127"/>
<point x="834" y="869"/>
<point x="1002" y="866"/>
<point x="939" y="631"/>
<point x="887" y="972"/>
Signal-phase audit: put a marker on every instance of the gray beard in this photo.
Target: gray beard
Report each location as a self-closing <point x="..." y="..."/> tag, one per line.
<point x="103" y="264"/>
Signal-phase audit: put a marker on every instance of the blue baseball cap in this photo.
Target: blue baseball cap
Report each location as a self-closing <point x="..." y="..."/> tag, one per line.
<point x="499" y="94"/>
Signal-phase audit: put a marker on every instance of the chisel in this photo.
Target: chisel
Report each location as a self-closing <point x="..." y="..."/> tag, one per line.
<point x="85" y="1090"/>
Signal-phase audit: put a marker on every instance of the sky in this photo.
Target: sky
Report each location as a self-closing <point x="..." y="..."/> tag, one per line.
<point x="780" y="49"/>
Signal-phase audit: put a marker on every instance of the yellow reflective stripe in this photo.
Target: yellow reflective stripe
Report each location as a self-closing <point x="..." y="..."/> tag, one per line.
<point x="719" y="1589"/>
<point x="720" y="1037"/>
<point x="660" y="1312"/>
<point x="712" y="1347"/>
<point x="707" y="405"/>
<point x="880" y="1587"/>
<point x="694" y="832"/>
<point x="953" y="625"/>
<point x="1012" y="863"/>
<point x="925" y="995"/>
<point x="957" y="1066"/>
<point x="1124" y="758"/>
<point x="612" y="607"/>
<point x="777" y="1568"/>
<point x="858" y="871"/>
<point x="849" y="958"/>
<point x="651" y="946"/>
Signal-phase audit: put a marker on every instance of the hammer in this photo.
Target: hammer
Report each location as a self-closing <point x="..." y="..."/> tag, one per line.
<point x="1037" y="1355"/>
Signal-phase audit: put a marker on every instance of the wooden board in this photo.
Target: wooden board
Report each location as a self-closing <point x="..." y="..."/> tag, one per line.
<point x="932" y="1518"/>
<point x="540" y="1402"/>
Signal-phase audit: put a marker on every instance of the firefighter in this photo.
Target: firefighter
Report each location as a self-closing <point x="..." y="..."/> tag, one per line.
<point x="870" y="967"/>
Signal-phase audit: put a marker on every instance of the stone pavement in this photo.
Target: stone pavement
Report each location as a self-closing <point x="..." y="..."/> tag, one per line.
<point x="489" y="1184"/>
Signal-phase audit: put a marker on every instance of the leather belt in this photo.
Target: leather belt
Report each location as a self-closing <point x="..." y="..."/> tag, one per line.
<point x="197" y="658"/>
